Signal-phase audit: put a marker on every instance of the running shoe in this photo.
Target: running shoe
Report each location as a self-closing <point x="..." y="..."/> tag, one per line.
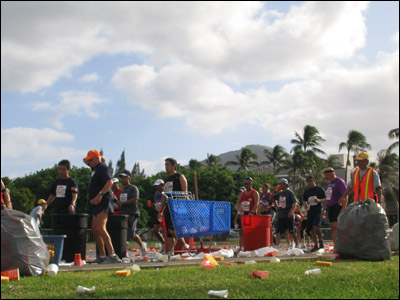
<point x="98" y="260"/>
<point x="114" y="259"/>
<point x="321" y="244"/>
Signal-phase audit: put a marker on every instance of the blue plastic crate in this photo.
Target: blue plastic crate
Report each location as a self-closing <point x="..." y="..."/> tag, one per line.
<point x="56" y="244"/>
<point x="199" y="218"/>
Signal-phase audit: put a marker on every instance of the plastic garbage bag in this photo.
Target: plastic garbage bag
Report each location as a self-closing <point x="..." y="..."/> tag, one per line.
<point x="22" y="244"/>
<point x="363" y="232"/>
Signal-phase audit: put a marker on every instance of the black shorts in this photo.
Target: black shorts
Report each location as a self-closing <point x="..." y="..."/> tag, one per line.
<point x="106" y="204"/>
<point x="333" y="212"/>
<point x="153" y="220"/>
<point x="314" y="220"/>
<point x="285" y="224"/>
<point x="168" y="219"/>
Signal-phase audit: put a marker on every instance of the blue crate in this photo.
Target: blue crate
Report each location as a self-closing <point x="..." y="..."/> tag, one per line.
<point x="56" y="243"/>
<point x="199" y="218"/>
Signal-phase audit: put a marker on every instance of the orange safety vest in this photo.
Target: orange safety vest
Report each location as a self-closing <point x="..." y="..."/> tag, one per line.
<point x="364" y="188"/>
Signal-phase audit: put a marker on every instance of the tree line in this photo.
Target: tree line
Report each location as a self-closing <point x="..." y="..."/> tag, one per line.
<point x="215" y="181"/>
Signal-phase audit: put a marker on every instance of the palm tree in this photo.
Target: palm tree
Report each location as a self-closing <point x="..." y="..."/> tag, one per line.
<point x="388" y="168"/>
<point x="194" y="164"/>
<point x="276" y="157"/>
<point x="245" y="160"/>
<point x="393" y="134"/>
<point x="294" y="166"/>
<point x="212" y="160"/>
<point x="356" y="142"/>
<point x="309" y="141"/>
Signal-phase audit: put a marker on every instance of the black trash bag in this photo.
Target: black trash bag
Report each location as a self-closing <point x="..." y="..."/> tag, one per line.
<point x="363" y="232"/>
<point x="22" y="244"/>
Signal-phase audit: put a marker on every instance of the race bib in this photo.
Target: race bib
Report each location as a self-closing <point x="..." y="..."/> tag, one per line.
<point x="312" y="200"/>
<point x="329" y="193"/>
<point x="60" y="191"/>
<point x="123" y="197"/>
<point x="168" y="188"/>
<point x="246" y="206"/>
<point x="282" y="202"/>
<point x="157" y="206"/>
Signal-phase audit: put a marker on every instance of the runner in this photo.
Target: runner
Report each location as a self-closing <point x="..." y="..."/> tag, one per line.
<point x="315" y="197"/>
<point x="176" y="182"/>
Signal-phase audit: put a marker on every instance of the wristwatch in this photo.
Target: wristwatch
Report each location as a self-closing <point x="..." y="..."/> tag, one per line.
<point x="101" y="193"/>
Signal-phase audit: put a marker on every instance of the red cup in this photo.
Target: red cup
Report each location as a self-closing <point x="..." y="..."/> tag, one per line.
<point x="260" y="274"/>
<point x="149" y="203"/>
<point x="78" y="260"/>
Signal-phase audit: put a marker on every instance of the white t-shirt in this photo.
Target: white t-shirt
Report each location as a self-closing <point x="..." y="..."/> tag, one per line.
<point x="38" y="210"/>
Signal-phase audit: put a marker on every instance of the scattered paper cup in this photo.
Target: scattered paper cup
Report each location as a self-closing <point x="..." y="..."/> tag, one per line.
<point x="313" y="272"/>
<point x="52" y="270"/>
<point x="82" y="289"/>
<point x="222" y="293"/>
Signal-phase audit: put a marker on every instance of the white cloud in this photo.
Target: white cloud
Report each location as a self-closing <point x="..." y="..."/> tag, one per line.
<point x="71" y="103"/>
<point x="233" y="40"/>
<point x="154" y="167"/>
<point x="395" y="38"/>
<point x="92" y="77"/>
<point x="26" y="148"/>
<point x="337" y="100"/>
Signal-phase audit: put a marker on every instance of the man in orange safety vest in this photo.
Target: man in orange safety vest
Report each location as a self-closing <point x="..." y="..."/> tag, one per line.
<point x="365" y="182"/>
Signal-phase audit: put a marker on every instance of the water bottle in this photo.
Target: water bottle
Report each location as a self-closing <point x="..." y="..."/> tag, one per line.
<point x="313" y="272"/>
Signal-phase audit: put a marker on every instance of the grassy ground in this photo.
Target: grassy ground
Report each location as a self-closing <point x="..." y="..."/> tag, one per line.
<point x="345" y="279"/>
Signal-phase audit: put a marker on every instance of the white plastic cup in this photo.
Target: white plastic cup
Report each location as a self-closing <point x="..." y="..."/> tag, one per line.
<point x="126" y="260"/>
<point x="176" y="257"/>
<point x="135" y="268"/>
<point x="52" y="270"/>
<point x="297" y="252"/>
<point x="313" y="272"/>
<point x="82" y="289"/>
<point x="222" y="293"/>
<point x="274" y="259"/>
<point x="159" y="257"/>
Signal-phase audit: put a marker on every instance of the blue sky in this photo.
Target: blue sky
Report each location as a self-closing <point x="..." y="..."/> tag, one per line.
<point x="189" y="78"/>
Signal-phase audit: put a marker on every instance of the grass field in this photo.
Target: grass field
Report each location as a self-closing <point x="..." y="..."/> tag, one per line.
<point x="345" y="279"/>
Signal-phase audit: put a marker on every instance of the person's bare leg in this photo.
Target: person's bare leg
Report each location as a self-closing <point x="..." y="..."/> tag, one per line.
<point x="102" y="221"/>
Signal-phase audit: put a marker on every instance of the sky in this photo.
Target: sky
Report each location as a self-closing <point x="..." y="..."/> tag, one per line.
<point x="187" y="79"/>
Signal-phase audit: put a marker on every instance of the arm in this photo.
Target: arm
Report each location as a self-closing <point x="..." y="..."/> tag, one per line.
<point x="381" y="199"/>
<point x="256" y="198"/>
<point x="6" y="195"/>
<point x="343" y="200"/>
<point x="97" y="199"/>
<point x="71" y="207"/>
<point x="292" y="210"/>
<point x="184" y="184"/>
<point x="163" y="205"/>
<point x="50" y="199"/>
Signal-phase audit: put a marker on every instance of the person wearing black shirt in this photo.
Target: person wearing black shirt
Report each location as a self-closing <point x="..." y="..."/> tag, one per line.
<point x="314" y="198"/>
<point x="64" y="191"/>
<point x="101" y="201"/>
<point x="176" y="182"/>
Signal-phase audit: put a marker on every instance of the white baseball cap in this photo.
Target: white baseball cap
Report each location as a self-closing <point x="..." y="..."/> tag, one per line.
<point x="115" y="180"/>
<point x="159" y="182"/>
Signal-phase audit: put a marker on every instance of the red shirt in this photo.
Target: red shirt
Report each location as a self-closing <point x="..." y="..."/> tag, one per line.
<point x="247" y="201"/>
<point x="117" y="211"/>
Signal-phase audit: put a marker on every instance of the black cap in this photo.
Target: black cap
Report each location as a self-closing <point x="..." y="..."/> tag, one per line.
<point x="310" y="177"/>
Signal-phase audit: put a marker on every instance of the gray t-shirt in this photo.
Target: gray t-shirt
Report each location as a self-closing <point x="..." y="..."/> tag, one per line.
<point x="128" y="193"/>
